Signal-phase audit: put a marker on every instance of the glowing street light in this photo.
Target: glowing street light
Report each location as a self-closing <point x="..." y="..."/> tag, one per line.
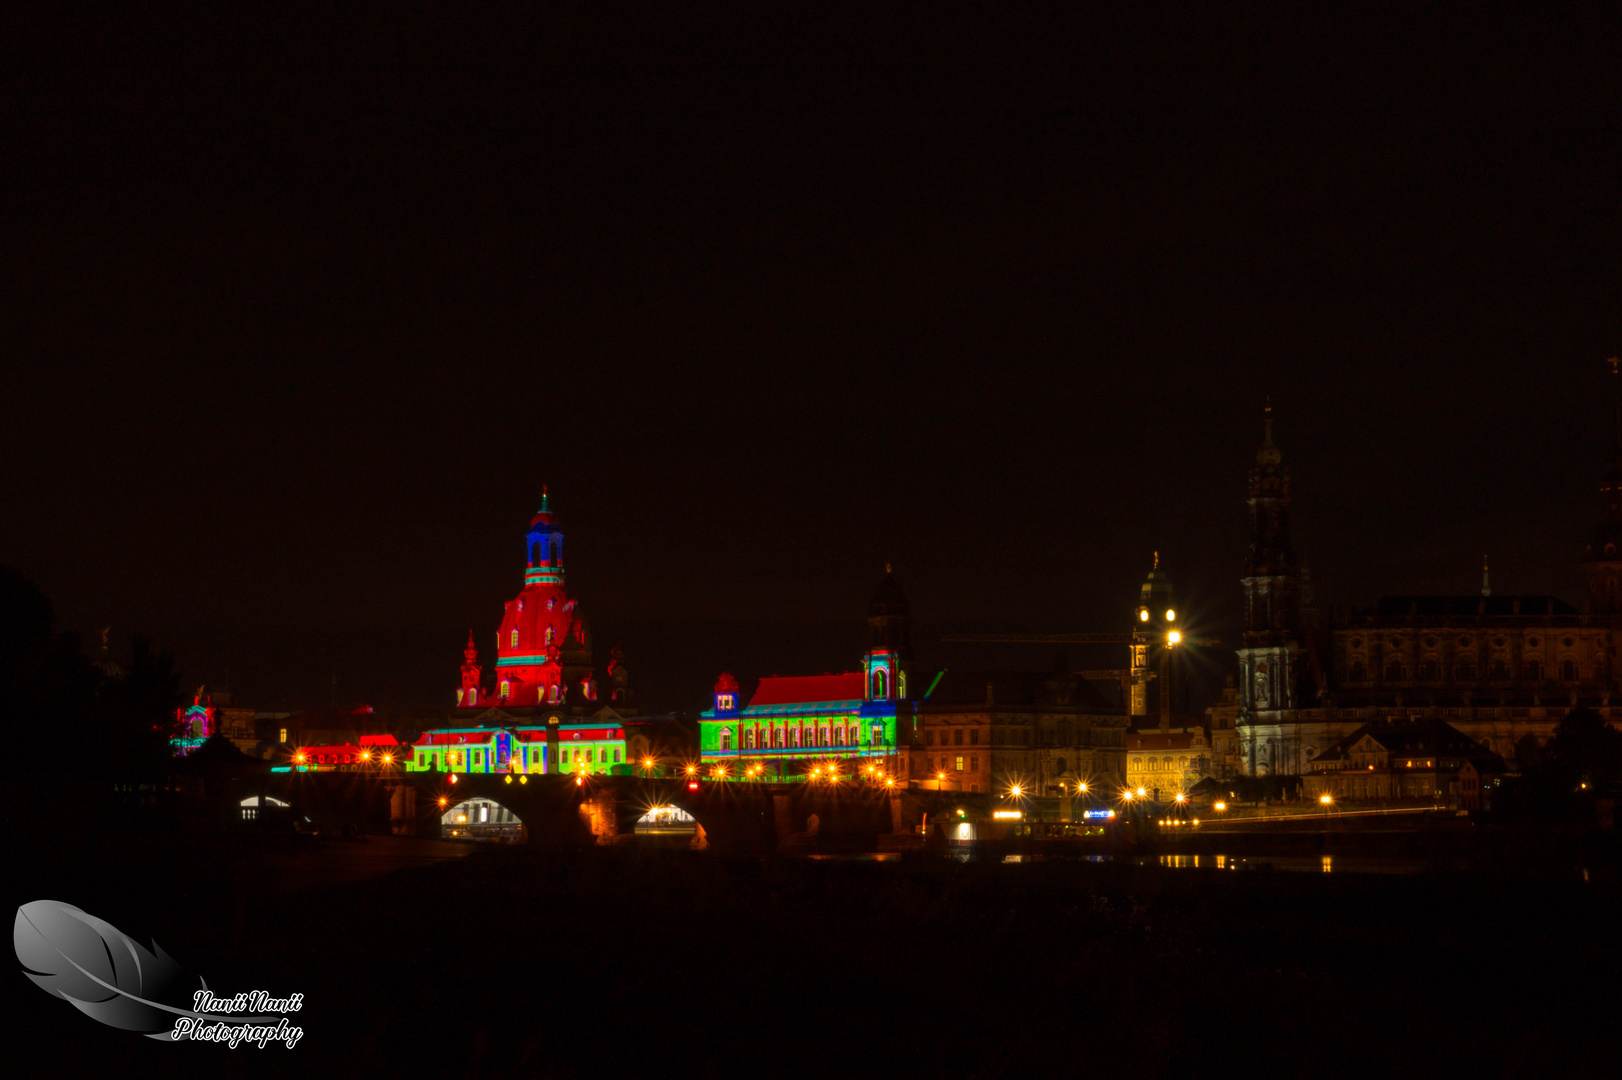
<point x="1174" y="637"/>
<point x="1325" y="799"/>
<point x="1171" y="616"/>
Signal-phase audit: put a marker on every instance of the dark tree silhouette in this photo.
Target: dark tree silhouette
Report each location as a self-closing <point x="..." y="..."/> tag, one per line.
<point x="1585" y="750"/>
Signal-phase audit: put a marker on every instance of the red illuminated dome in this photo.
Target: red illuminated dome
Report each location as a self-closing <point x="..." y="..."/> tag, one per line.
<point x="543" y="649"/>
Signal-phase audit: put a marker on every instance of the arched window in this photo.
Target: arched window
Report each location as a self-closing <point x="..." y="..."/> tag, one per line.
<point x="1568" y="670"/>
<point x="839" y="735"/>
<point x="823" y="740"/>
<point x="880" y="684"/>
<point x="506" y="688"/>
<point x="1358" y="672"/>
<point x="515" y="639"/>
<point x="549" y="635"/>
<point x="726" y="738"/>
<point x="1465" y="672"/>
<point x="1395" y="672"/>
<point x="1500" y="669"/>
<point x="1534" y="670"/>
<point x="1430" y="671"/>
<point x="552" y="693"/>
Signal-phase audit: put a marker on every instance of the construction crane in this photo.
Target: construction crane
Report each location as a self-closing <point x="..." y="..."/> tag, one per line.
<point x="1124" y="676"/>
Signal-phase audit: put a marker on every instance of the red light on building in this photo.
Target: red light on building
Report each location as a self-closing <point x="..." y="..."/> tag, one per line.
<point x="692" y="785"/>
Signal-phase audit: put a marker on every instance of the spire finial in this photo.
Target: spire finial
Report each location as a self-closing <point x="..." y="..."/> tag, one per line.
<point x="1268" y="455"/>
<point x="1486" y="581"/>
<point x="545" y="507"/>
<point x="1157" y="560"/>
<point x="887" y="566"/>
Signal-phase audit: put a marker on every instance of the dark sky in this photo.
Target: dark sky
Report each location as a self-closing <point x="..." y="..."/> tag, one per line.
<point x="302" y="306"/>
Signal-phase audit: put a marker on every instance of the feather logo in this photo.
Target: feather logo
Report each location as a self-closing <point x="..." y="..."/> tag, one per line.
<point x="103" y="973"/>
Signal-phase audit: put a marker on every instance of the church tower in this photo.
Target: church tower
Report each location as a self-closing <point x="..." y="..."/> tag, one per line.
<point x="888" y="662"/>
<point x="1270" y="659"/>
<point x="543" y="649"/>
<point x="1602" y="557"/>
<point x="1154" y="621"/>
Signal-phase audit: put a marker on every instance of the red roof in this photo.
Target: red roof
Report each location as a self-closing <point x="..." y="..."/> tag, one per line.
<point x="792" y="690"/>
<point x="378" y="740"/>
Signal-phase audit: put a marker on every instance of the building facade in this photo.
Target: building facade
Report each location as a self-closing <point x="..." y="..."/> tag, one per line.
<point x="793" y="727"/>
<point x="1416" y="761"/>
<point x="1041" y="731"/>
<point x="1498" y="669"/>
<point x="1165" y="763"/>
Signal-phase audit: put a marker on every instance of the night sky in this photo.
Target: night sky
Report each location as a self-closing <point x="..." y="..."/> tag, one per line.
<point x="303" y="305"/>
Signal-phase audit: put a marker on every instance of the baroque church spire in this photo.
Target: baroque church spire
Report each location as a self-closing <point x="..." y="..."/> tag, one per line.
<point x="1270" y="657"/>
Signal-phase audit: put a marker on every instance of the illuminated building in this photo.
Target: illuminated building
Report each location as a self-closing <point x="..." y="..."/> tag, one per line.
<point x="794" y="725"/>
<point x="582" y="745"/>
<point x="194" y="723"/>
<point x="1497" y="668"/>
<point x="1167" y="762"/>
<point x="545" y="711"/>
<point x="543" y="648"/>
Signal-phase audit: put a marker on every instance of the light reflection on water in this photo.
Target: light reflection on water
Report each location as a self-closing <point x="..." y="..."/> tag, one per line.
<point x="1318" y="864"/>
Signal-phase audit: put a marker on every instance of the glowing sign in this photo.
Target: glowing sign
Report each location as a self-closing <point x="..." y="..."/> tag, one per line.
<point x="1007" y="813"/>
<point x="1099" y="814"/>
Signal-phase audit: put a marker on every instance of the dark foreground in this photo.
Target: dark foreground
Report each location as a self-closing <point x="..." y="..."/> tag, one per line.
<point x="431" y="959"/>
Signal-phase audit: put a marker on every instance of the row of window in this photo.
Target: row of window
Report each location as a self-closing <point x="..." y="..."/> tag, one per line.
<point x="793" y="738"/>
<point x="1431" y="671"/>
<point x="957" y="737"/>
<point x="584" y="756"/>
<point x="552" y="694"/>
<point x="954" y="764"/>
<point x="549" y="635"/>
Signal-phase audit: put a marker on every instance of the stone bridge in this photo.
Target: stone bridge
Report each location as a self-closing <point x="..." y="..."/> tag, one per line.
<point x="558" y="811"/>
